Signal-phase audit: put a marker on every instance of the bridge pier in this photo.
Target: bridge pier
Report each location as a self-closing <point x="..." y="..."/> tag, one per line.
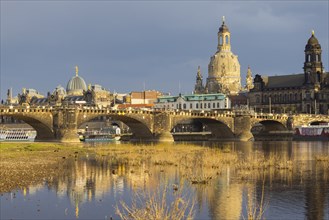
<point x="165" y="137"/>
<point x="242" y="128"/>
<point x="65" y="126"/>
<point x="162" y="126"/>
<point x="68" y="135"/>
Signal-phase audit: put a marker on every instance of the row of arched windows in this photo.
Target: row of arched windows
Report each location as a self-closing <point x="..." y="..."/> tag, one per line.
<point x="316" y="58"/>
<point x="283" y="98"/>
<point x="226" y="41"/>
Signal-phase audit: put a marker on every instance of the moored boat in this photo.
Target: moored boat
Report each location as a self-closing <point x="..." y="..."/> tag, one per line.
<point x="312" y="132"/>
<point x="102" y="135"/>
<point x="17" y="134"/>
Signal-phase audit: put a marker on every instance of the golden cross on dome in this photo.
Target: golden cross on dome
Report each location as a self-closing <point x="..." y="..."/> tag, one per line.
<point x="76" y="70"/>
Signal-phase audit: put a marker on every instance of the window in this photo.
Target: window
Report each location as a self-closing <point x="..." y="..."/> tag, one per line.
<point x="217" y="104"/>
<point x="184" y="106"/>
<point x="196" y="105"/>
<point x="226" y="39"/>
<point x="317" y="58"/>
<point x="209" y="105"/>
<point x="191" y="105"/>
<point x="257" y="99"/>
<point x="220" y="40"/>
<point x="213" y="105"/>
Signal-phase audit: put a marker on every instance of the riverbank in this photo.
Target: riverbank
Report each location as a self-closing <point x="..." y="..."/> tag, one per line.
<point x="110" y="173"/>
<point x="24" y="164"/>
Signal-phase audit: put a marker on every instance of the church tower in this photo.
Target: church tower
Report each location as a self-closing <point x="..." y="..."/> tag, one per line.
<point x="198" y="89"/>
<point x="249" y="80"/>
<point x="224" y="67"/>
<point x="313" y="68"/>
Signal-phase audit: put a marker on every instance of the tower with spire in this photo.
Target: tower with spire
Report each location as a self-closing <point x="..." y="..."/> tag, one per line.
<point x="249" y="80"/>
<point x="313" y="68"/>
<point x="199" y="88"/>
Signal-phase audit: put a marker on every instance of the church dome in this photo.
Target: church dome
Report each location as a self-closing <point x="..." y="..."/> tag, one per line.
<point x="313" y="40"/>
<point x="224" y="67"/>
<point x="224" y="28"/>
<point x="76" y="85"/>
<point x="312" y="43"/>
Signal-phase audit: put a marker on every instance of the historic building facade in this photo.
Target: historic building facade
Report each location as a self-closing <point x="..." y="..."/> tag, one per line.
<point x="298" y="93"/>
<point x="197" y="102"/>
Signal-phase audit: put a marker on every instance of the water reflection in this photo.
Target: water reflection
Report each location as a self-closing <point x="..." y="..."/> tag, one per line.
<point x="294" y="186"/>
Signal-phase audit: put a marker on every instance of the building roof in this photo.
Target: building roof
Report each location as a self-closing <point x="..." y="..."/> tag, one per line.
<point x="313" y="40"/>
<point x="294" y="80"/>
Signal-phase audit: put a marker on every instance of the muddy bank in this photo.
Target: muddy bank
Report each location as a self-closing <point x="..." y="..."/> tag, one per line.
<point x="23" y="164"/>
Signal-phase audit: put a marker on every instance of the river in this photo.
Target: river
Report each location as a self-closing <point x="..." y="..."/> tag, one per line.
<point x="93" y="187"/>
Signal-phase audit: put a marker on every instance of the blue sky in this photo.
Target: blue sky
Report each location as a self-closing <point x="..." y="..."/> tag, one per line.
<point x="126" y="45"/>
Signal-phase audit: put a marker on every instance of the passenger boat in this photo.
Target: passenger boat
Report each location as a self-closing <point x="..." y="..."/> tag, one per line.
<point x="102" y="135"/>
<point x="17" y="134"/>
<point x="312" y="132"/>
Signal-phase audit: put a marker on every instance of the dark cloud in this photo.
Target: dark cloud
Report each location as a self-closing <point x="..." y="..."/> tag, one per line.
<point x="124" y="45"/>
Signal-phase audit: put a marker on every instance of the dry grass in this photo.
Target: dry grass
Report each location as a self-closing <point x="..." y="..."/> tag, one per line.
<point x="321" y="158"/>
<point x="157" y="205"/>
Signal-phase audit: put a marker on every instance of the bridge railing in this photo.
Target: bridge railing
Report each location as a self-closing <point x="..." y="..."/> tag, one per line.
<point x="24" y="109"/>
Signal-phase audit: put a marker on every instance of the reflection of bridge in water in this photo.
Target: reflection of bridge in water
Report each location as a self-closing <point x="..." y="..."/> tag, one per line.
<point x="61" y="123"/>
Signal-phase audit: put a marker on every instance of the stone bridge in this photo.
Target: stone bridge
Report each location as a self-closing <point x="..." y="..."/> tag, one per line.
<point x="61" y="123"/>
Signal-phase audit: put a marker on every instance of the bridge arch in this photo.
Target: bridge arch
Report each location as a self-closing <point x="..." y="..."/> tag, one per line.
<point x="273" y="125"/>
<point x="319" y="122"/>
<point x="219" y="129"/>
<point x="140" y="129"/>
<point x="42" y="124"/>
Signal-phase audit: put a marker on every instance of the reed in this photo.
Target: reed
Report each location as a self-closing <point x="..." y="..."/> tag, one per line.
<point x="157" y="205"/>
<point x="255" y="209"/>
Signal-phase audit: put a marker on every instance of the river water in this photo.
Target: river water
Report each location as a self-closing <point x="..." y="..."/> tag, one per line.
<point x="91" y="187"/>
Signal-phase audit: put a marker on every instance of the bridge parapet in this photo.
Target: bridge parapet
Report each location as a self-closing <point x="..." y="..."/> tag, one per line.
<point x="305" y="119"/>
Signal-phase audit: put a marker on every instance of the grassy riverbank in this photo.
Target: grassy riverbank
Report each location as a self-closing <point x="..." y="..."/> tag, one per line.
<point x="198" y="167"/>
<point x="23" y="164"/>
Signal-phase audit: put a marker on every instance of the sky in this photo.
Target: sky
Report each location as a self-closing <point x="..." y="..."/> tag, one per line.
<point x="135" y="45"/>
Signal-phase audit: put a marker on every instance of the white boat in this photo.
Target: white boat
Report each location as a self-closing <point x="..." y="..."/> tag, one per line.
<point x="312" y="132"/>
<point x="17" y="134"/>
